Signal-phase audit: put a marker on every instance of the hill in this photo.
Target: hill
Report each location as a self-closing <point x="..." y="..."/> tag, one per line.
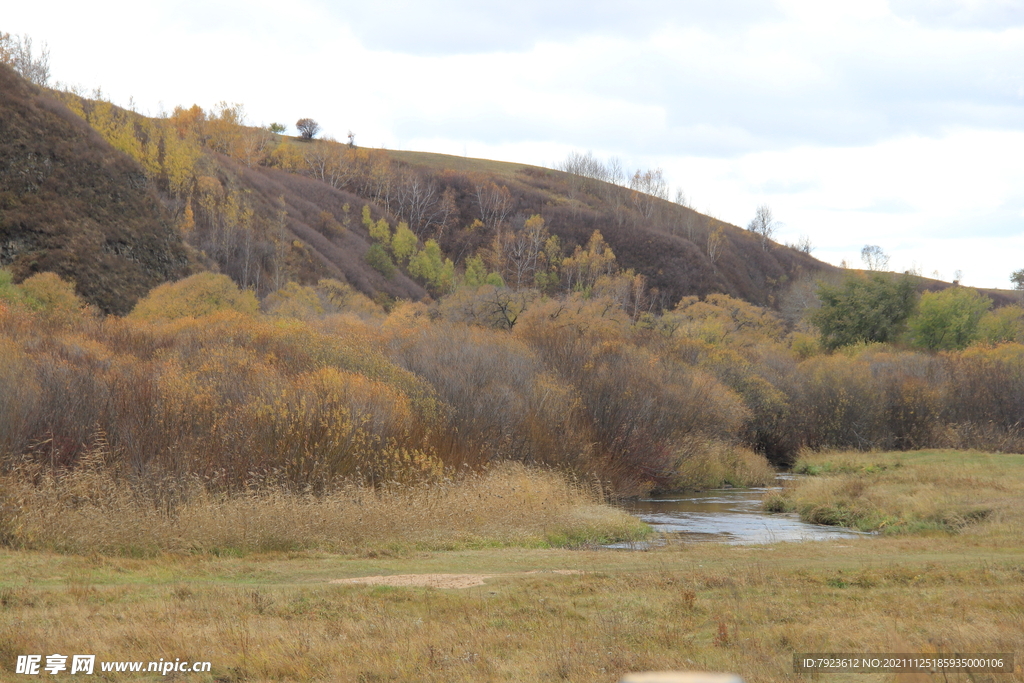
<point x="71" y="204"/>
<point x="112" y="200"/>
<point x="679" y="251"/>
<point x="121" y="201"/>
<point x="470" y="205"/>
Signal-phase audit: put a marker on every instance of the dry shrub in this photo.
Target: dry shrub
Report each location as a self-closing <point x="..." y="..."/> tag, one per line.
<point x="706" y="464"/>
<point x="90" y="509"/>
<point x="764" y="377"/>
<point x="19" y="395"/>
<point x="225" y="396"/>
<point x="985" y="399"/>
<point x="910" y="389"/>
<point x="836" y="403"/>
<point x="503" y="403"/>
<point x="877" y="398"/>
<point x="195" y="296"/>
<point x="636" y="403"/>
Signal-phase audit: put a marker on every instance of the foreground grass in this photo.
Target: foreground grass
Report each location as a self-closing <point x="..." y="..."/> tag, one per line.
<point x="744" y="609"/>
<point x="89" y="510"/>
<point x="940" y="491"/>
<point x="740" y="609"/>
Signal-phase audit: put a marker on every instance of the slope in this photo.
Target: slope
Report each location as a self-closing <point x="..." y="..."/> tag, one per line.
<point x="71" y="204"/>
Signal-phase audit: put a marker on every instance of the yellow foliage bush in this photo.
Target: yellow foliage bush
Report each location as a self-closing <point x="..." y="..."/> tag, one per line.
<point x="195" y="296"/>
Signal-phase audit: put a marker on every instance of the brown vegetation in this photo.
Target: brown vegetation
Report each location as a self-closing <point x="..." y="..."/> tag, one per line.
<point x="72" y="205"/>
<point x="567" y="333"/>
<point x="699" y="607"/>
<point x="325" y="388"/>
<point x="266" y="209"/>
<point x="92" y="510"/>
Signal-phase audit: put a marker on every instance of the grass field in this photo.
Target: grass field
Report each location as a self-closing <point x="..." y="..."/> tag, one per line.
<point x="441" y="162"/>
<point x="744" y="609"/>
<point x="912" y="492"/>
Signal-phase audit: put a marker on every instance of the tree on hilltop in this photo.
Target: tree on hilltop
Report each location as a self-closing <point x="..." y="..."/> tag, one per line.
<point x="16" y="52"/>
<point x="308" y="128"/>
<point x="874" y="257"/>
<point x="764" y="225"/>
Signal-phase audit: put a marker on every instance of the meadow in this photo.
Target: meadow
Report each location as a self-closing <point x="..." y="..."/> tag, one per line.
<point x="545" y="613"/>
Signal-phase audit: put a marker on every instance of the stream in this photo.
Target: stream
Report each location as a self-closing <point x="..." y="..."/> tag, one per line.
<point x="726" y="516"/>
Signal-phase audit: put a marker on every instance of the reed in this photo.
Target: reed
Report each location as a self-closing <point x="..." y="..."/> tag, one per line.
<point x="91" y="510"/>
<point x="938" y="491"/>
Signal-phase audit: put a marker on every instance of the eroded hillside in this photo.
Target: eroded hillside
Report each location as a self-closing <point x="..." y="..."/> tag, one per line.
<point x="73" y="205"/>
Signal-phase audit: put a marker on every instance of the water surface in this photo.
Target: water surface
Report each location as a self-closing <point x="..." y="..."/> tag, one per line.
<point x="728" y="516"/>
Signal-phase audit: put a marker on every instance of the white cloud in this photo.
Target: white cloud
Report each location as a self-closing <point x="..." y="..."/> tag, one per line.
<point x="898" y="123"/>
<point x="975" y="14"/>
<point x="452" y="27"/>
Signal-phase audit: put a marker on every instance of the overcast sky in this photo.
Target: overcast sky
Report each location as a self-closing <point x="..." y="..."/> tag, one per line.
<point x="896" y="123"/>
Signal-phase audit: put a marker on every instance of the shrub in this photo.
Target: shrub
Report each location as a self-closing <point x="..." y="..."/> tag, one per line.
<point x="195" y="296"/>
<point x="948" y="319"/>
<point x="378" y="259"/>
<point x="863" y="309"/>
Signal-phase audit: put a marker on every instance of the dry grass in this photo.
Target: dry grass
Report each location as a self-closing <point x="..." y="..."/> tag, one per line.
<point x="739" y="609"/>
<point x="88" y="510"/>
<point x="911" y="492"/>
<point x="744" y="609"/>
<point x="444" y="162"/>
<point x="710" y="464"/>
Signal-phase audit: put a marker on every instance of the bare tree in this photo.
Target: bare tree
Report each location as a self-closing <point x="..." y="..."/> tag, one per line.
<point x="681" y="199"/>
<point x="308" y="128"/>
<point x="648" y="187"/>
<point x="495" y="203"/>
<point x="418" y="200"/>
<point x="255" y="145"/>
<point x="16" y="52"/>
<point x="764" y="224"/>
<point x="874" y="258"/>
<point x="328" y="162"/>
<point x="585" y="165"/>
<point x="803" y="244"/>
<point x="716" y="241"/>
<point x="616" y="174"/>
<point x="518" y="251"/>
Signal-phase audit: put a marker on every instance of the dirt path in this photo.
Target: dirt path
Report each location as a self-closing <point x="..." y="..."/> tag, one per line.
<point x="442" y="580"/>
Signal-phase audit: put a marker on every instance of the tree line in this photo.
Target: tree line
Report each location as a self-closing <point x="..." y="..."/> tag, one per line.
<point x="316" y="384"/>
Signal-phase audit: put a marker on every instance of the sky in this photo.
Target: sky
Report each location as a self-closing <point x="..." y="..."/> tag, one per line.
<point x="897" y="123"/>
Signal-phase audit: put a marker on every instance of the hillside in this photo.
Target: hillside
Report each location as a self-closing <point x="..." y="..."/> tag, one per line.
<point x="113" y="200"/>
<point x="113" y="208"/>
<point x="680" y="251"/>
<point x="71" y="204"/>
<point x="561" y="326"/>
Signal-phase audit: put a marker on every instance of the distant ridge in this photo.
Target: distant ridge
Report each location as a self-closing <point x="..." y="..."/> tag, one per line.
<point x="73" y="204"/>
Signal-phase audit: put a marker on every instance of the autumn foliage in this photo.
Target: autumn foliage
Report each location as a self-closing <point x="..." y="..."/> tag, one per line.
<point x="376" y="320"/>
<point x="323" y="388"/>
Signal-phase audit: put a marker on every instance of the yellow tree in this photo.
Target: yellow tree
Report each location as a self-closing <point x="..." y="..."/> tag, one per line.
<point x="586" y="265"/>
<point x="403" y="244"/>
<point x="517" y="252"/>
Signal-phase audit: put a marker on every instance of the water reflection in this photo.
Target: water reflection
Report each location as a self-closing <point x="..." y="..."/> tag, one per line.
<point x="728" y="516"/>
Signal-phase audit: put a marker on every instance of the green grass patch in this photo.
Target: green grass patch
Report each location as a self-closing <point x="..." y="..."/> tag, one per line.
<point x="918" y="492"/>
